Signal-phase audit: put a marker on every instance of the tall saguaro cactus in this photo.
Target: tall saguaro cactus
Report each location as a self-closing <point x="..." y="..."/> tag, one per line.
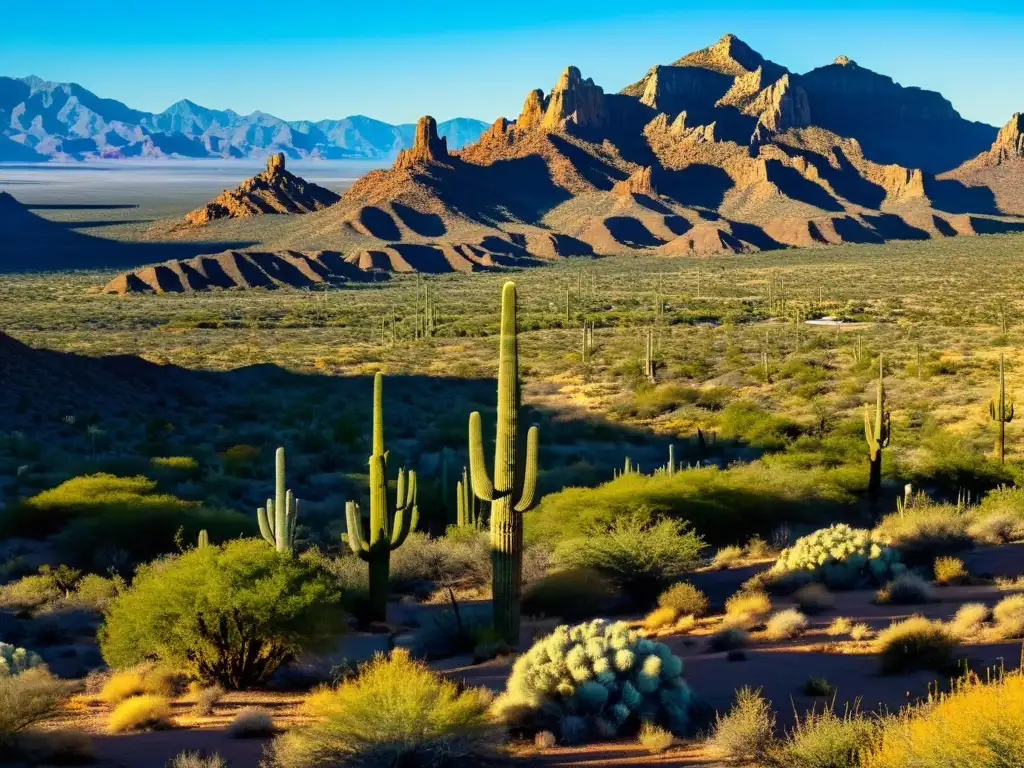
<point x="512" y="491"/>
<point x="1000" y="411"/>
<point x="876" y="433"/>
<point x="384" y="536"/>
<point x="277" y="520"/>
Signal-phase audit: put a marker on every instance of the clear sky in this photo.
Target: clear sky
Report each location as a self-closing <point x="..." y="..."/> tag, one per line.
<point x="396" y="60"/>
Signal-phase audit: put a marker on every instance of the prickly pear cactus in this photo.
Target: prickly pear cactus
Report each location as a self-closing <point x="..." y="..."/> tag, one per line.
<point x="840" y="556"/>
<point x="596" y="680"/>
<point x="14" y="661"/>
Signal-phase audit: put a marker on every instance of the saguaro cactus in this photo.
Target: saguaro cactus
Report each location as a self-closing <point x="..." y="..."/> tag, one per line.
<point x="649" y="364"/>
<point x="1000" y="411"/>
<point x="468" y="514"/>
<point x="204" y="539"/>
<point x="384" y="536"/>
<point x="277" y="520"/>
<point x="514" y="486"/>
<point x="876" y="433"/>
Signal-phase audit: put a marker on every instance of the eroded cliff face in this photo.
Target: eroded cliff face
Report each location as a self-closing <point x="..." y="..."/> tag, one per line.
<point x="427" y="147"/>
<point x="574" y="101"/>
<point x="275" y="190"/>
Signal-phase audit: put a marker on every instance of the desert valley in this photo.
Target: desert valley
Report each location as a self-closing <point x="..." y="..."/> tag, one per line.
<point x="670" y="426"/>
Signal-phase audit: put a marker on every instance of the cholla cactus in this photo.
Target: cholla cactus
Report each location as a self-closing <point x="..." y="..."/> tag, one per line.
<point x="840" y="556"/>
<point x="596" y="680"/>
<point x="14" y="661"/>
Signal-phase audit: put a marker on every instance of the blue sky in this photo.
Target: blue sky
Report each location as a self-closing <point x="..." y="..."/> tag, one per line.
<point x="397" y="60"/>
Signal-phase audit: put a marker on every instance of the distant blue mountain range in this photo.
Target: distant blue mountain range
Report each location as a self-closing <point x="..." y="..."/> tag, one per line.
<point x="40" y="121"/>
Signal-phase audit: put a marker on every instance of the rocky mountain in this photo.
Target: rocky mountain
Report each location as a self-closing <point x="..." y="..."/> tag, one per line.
<point x="275" y="190"/>
<point x="40" y="120"/>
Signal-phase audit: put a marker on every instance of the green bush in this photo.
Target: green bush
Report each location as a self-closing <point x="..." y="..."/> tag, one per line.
<point x="595" y="680"/>
<point x="685" y="599"/>
<point x="824" y="739"/>
<point x="27" y="699"/>
<point x="640" y="557"/>
<point x="925" y="531"/>
<point x="228" y="614"/>
<point x="914" y="644"/>
<point x="723" y="505"/>
<point x="572" y="594"/>
<point x="840" y="556"/>
<point x="100" y="519"/>
<point x="396" y="712"/>
<point x="747" y="422"/>
<point x="747" y="732"/>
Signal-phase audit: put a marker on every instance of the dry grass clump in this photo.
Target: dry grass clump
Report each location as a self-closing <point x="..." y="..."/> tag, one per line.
<point x="197" y="760"/>
<point x="747" y="732"/>
<point x="813" y="598"/>
<point x="207" y="698"/>
<point x="138" y="680"/>
<point x="915" y="643"/>
<point x="785" y="625"/>
<point x="251" y="723"/>
<point x="654" y="739"/>
<point x="728" y="639"/>
<point x="825" y="739"/>
<point x="660" y="618"/>
<point x="396" y="712"/>
<point x="969" y="620"/>
<point x="685" y="598"/>
<point x="839" y="626"/>
<point x="950" y="570"/>
<point x="140" y="713"/>
<point x="726" y="557"/>
<point x="747" y="608"/>
<point x="907" y="589"/>
<point x="861" y="631"/>
<point x="27" y="699"/>
<point x="977" y="724"/>
<point x="1008" y="616"/>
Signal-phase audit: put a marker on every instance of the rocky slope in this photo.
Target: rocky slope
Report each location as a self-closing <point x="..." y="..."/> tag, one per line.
<point x="41" y="120"/>
<point x="720" y="152"/>
<point x="275" y="190"/>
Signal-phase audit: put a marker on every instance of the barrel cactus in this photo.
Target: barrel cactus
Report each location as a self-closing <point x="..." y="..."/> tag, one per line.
<point x="596" y="680"/>
<point x="14" y="661"/>
<point x="840" y="556"/>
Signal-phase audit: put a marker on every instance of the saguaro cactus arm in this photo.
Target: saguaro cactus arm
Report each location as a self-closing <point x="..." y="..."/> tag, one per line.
<point x="406" y="503"/>
<point x="528" y="496"/>
<point x="265" y="516"/>
<point x="354" y="527"/>
<point x="483" y="486"/>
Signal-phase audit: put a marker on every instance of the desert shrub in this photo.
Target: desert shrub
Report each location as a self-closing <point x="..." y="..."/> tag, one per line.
<point x="1008" y="616"/>
<point x="545" y="740"/>
<point x="724" y="505"/>
<point x="906" y="589"/>
<point x="747" y="732"/>
<point x="824" y="739"/>
<point x="950" y="570"/>
<point x="839" y="556"/>
<point x="137" y="680"/>
<point x="969" y="620"/>
<point x="977" y="724"/>
<point x="638" y="556"/>
<point x="140" y="713"/>
<point x="728" y="639"/>
<point x="746" y="421"/>
<point x="839" y="626"/>
<point x="747" y="607"/>
<point x="241" y="460"/>
<point x="785" y="625"/>
<point x="27" y="699"/>
<point x="175" y="467"/>
<point x="813" y="598"/>
<point x="913" y="644"/>
<point x="197" y="760"/>
<point x="96" y="592"/>
<point x="251" y="723"/>
<point x="29" y="592"/>
<point x="660" y="618"/>
<point x="97" y="519"/>
<point x="207" y="698"/>
<point x="429" y="721"/>
<point x="817" y="686"/>
<point x="458" y="630"/>
<point x="861" y="631"/>
<point x="571" y="594"/>
<point x="229" y="614"/>
<point x="925" y="531"/>
<point x="727" y="557"/>
<point x="14" y="661"/>
<point x="997" y="528"/>
<point x="757" y="547"/>
<point x="685" y="599"/>
<point x="55" y="747"/>
<point x="654" y="739"/>
<point x="595" y="680"/>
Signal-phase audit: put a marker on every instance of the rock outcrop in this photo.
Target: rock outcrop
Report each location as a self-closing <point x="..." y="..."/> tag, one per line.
<point x="781" y="106"/>
<point x="275" y="190"/>
<point x="427" y="147"/>
<point x="533" y="110"/>
<point x="574" y="102"/>
<point x="1008" y="146"/>
<point x="638" y="183"/>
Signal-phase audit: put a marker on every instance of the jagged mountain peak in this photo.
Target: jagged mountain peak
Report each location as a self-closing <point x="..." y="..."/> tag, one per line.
<point x="729" y="56"/>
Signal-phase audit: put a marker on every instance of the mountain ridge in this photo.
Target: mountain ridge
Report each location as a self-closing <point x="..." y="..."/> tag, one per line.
<point x="44" y="120"/>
